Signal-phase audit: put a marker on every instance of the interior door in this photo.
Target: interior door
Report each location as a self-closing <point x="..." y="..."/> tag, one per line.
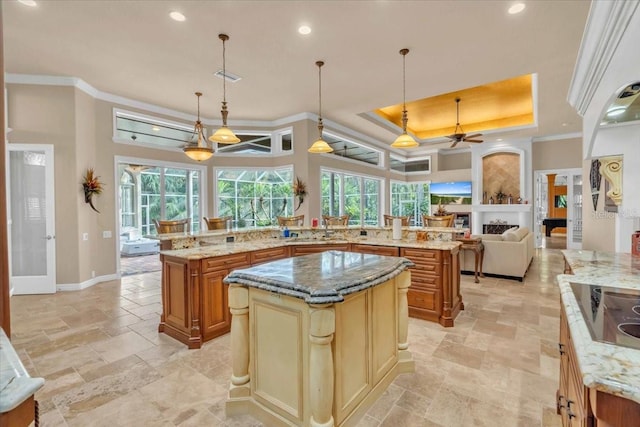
<point x="574" y="211"/>
<point x="31" y="207"/>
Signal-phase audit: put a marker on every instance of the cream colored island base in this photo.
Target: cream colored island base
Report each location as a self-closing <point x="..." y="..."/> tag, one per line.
<point x="289" y="357"/>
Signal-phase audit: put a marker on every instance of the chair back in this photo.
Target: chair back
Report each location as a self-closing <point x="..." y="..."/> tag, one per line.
<point x="217" y="223"/>
<point x="174" y="226"/>
<point x="406" y="220"/>
<point x="336" y="220"/>
<point x="438" y="221"/>
<point x="295" y="221"/>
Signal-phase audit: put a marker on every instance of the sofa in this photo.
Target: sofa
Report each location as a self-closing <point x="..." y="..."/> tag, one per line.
<point x="508" y="254"/>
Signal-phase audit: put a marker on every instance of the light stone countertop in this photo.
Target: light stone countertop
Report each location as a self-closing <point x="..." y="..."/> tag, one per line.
<point x="606" y="367"/>
<point x="322" y="278"/>
<point x="219" y="249"/>
<point x="16" y="385"/>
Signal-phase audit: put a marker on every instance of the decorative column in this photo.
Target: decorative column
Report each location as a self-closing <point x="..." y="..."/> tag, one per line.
<point x="403" y="281"/>
<point x="239" y="306"/>
<point x="322" y="325"/>
<point x="195" y="338"/>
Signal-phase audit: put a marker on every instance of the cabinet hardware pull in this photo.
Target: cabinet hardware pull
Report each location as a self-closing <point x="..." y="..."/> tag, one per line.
<point x="561" y="348"/>
<point x="560" y="405"/>
<point x="569" y="402"/>
<point x="571" y="414"/>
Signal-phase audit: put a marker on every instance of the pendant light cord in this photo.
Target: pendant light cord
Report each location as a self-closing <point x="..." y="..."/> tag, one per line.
<point x="224" y="72"/>
<point x="319" y="64"/>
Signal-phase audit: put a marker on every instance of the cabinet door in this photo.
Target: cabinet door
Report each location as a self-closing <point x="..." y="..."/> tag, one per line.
<point x="563" y="348"/>
<point x="215" y="314"/>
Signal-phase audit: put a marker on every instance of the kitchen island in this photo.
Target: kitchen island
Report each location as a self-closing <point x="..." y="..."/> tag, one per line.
<point x="195" y="298"/>
<point x="600" y="362"/>
<point x="316" y="339"/>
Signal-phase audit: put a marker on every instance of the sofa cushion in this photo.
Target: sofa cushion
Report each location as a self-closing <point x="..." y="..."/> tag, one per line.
<point x="489" y="237"/>
<point x="510" y="236"/>
<point x="521" y="233"/>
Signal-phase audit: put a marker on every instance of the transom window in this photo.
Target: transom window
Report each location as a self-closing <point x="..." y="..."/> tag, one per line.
<point x="347" y="149"/>
<point x="354" y="195"/>
<point x="414" y="166"/>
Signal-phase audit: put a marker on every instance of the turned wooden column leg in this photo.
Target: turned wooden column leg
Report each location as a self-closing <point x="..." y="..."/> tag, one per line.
<point x="239" y="306"/>
<point x="321" y="329"/>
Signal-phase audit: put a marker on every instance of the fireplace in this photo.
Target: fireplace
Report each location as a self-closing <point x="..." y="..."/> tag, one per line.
<point x="496" y="228"/>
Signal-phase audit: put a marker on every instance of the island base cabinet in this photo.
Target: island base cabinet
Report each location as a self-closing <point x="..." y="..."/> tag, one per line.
<point x="313" y="365"/>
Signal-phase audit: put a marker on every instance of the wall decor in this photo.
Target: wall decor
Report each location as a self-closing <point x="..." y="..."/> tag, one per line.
<point x="92" y="186"/>
<point x="299" y="191"/>
<point x="594" y="179"/>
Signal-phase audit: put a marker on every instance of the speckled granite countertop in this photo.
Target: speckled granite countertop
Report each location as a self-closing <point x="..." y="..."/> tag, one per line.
<point x="213" y="250"/>
<point x="15" y="383"/>
<point x="321" y="278"/>
<point x="606" y="367"/>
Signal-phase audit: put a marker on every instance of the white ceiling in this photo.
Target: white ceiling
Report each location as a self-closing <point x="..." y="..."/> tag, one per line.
<point x="133" y="49"/>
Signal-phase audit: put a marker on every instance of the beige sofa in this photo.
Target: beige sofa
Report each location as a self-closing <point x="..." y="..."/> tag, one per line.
<point x="507" y="254"/>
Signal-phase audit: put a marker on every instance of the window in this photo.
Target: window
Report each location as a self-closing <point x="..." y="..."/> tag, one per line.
<point x="149" y="192"/>
<point x="352" y="150"/>
<point x="353" y="195"/>
<point x="139" y="129"/>
<point x="255" y="198"/>
<point x="410" y="199"/>
<point x="259" y="143"/>
<point x="416" y="166"/>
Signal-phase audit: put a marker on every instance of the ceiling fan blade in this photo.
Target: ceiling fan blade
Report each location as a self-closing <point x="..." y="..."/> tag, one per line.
<point x="475" y="135"/>
<point x="473" y="140"/>
<point x="455" y="142"/>
<point x="451" y="137"/>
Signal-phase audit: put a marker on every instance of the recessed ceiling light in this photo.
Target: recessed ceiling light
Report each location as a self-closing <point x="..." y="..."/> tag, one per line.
<point x="304" y="29"/>
<point x="155" y="129"/>
<point x="499" y="139"/>
<point x="516" y="8"/>
<point x="565" y="124"/>
<point x="30" y="3"/>
<point x="177" y="16"/>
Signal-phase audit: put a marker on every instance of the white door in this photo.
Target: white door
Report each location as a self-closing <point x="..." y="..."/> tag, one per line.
<point x="31" y="207"/>
<point x="574" y="211"/>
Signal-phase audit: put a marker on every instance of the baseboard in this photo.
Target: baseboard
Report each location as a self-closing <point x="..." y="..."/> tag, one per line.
<point x="87" y="283"/>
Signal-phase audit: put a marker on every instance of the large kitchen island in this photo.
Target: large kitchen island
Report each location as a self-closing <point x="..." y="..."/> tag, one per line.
<point x="316" y="339"/>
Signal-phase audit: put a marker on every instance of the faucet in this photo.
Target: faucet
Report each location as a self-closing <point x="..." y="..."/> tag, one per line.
<point x="327" y="233"/>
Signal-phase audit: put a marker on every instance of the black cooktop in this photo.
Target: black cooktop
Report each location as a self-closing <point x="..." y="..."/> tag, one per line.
<point x="611" y="314"/>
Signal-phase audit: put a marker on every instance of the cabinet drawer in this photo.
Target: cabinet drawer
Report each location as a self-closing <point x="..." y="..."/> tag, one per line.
<point x="266" y="255"/>
<point x="376" y="250"/>
<point x="432" y="269"/>
<point x="419" y="280"/>
<point x="226" y="262"/>
<point x="422" y="256"/>
<point x="314" y="249"/>
<point x="429" y="300"/>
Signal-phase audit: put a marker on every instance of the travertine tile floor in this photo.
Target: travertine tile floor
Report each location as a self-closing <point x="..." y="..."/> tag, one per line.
<point x="106" y="365"/>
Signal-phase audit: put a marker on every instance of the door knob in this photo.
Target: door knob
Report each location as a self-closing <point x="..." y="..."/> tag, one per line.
<point x="49" y="237"/>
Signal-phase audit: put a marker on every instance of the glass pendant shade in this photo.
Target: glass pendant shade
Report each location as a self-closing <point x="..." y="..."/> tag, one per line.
<point x="224" y="135"/>
<point x="201" y="149"/>
<point x="320" y="146"/>
<point x="404" y="141"/>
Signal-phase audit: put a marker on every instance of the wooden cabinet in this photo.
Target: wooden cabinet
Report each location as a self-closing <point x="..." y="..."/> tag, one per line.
<point x="314" y="249"/>
<point x="267" y="255"/>
<point x="435" y="285"/>
<point x="376" y="250"/>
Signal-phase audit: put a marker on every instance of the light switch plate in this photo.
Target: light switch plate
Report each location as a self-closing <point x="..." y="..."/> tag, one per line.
<point x="85" y="236"/>
<point x="106" y="234"/>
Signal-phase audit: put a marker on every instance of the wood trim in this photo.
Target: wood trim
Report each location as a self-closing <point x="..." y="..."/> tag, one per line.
<point x="5" y="309"/>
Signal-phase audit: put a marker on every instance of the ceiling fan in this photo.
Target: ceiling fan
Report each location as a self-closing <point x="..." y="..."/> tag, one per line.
<point x="458" y="134"/>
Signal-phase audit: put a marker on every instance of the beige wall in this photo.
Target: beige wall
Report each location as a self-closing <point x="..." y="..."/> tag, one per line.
<point x="557" y="154"/>
<point x="447" y="162"/>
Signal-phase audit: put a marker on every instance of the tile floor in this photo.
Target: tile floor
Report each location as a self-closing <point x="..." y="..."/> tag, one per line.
<point x="106" y="365"/>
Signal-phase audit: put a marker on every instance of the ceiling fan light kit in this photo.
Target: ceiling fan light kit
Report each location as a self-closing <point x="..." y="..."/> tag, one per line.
<point x="404" y="140"/>
<point x="458" y="134"/>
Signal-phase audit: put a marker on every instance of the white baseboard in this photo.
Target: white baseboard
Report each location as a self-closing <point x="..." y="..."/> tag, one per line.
<point x="87" y="283"/>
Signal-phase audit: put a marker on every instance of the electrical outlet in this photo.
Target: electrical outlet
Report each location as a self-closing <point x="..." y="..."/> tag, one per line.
<point x="85" y="236"/>
<point x="106" y="234"/>
<point x="93" y="274"/>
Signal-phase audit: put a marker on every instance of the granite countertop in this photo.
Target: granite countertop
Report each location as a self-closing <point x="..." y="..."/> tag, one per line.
<point x="606" y="367"/>
<point x="321" y="278"/>
<point x="214" y="250"/>
<point x="16" y="385"/>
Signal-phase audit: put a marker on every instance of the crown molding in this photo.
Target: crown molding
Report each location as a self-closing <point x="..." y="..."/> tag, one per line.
<point x="607" y="23"/>
<point x="557" y="137"/>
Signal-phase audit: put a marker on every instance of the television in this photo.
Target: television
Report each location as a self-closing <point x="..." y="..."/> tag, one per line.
<point x="450" y="193"/>
<point x="560" y="201"/>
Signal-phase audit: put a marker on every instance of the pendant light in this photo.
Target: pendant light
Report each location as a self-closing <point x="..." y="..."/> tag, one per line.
<point x="201" y="149"/>
<point x="224" y="135"/>
<point x="320" y="146"/>
<point x="404" y="140"/>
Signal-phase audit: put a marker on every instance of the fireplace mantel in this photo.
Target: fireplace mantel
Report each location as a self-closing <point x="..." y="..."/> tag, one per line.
<point x="519" y="214"/>
<point x="501" y="208"/>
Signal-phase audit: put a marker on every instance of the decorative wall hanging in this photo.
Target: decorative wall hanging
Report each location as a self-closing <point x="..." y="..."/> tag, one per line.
<point x="594" y="179"/>
<point x="611" y="169"/>
<point x="299" y="191"/>
<point x="92" y="186"/>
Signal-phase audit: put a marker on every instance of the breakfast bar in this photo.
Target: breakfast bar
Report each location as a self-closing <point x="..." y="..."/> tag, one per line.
<point x="316" y="339"/>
